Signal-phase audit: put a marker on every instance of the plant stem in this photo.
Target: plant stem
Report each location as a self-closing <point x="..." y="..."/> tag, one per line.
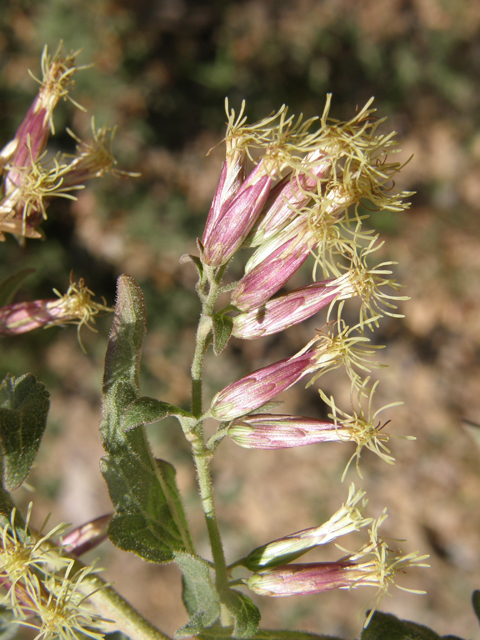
<point x="126" y="619"/>
<point x="201" y="454"/>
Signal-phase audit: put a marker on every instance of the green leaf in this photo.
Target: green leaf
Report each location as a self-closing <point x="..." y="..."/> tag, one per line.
<point x="221" y="633"/>
<point x="199" y="595"/>
<point x="6" y="504"/>
<point x="10" y="286"/>
<point x="244" y="612"/>
<point x="149" y="518"/>
<point x="23" y="419"/>
<point x="149" y="410"/>
<point x="222" y="329"/>
<point x="121" y="383"/>
<point x="476" y="603"/>
<point x="385" y="625"/>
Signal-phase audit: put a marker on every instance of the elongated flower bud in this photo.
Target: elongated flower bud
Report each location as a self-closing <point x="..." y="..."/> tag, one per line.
<point x="87" y="536"/>
<point x="374" y="565"/>
<point x="290" y="196"/>
<point x="26" y="316"/>
<point x="32" y="134"/>
<point x="269" y="431"/>
<point x="25" y="184"/>
<point x="75" y="307"/>
<point x="267" y="277"/>
<point x="291" y="308"/>
<point x="261" y="386"/>
<point x="325" y="352"/>
<point x="304" y="579"/>
<point x="346" y="520"/>
<point x="229" y="232"/>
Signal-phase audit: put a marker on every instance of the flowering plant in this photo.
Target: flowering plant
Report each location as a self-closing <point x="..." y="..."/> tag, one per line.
<point x="289" y="190"/>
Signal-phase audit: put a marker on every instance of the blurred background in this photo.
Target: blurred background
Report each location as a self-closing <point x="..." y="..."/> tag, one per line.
<point x="161" y="71"/>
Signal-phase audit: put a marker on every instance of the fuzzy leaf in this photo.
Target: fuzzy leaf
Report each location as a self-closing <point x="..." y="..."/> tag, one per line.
<point x="10" y="286"/>
<point x="199" y="595"/>
<point x="385" y="625"/>
<point x="244" y="612"/>
<point x="149" y="410"/>
<point x="121" y="384"/>
<point x="222" y="633"/>
<point x="23" y="419"/>
<point x="149" y="518"/>
<point x="222" y="330"/>
<point x="6" y="504"/>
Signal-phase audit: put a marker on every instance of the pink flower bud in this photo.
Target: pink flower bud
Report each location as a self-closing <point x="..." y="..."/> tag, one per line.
<point x="218" y="201"/>
<point x="287" y="310"/>
<point x="75" y="307"/>
<point x="325" y="352"/>
<point x="235" y="220"/>
<point x="290" y="196"/>
<point x="86" y="537"/>
<point x="252" y="391"/>
<point x="268" y="276"/>
<point x="267" y="431"/>
<point x="33" y="132"/>
<point x="231" y="179"/>
<point x="374" y="565"/>
<point x="26" y="316"/>
<point x="304" y="579"/>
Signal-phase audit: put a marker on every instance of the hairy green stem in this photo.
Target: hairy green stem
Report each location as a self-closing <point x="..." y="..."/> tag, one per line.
<point x="200" y="452"/>
<point x="111" y="606"/>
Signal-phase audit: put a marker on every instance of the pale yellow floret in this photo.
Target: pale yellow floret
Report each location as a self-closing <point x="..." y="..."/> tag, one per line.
<point x="369" y="283"/>
<point x="363" y="426"/>
<point x="95" y="159"/>
<point x="57" y="79"/>
<point x="343" y="345"/>
<point x="45" y="590"/>
<point x="37" y="183"/>
<point x="377" y="565"/>
<point x="77" y="307"/>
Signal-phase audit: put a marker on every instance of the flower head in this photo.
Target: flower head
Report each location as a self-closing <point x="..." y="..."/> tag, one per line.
<point x="74" y="307"/>
<point x="289" y="309"/>
<point x="369" y="284"/>
<point x="325" y="352"/>
<point x="374" y="565"/>
<point x="45" y="590"/>
<point x="346" y="520"/>
<point x="362" y="426"/>
<point x="322" y="168"/>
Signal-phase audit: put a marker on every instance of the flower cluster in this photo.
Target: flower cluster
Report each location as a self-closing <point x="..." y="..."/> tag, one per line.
<point x="302" y="198"/>
<point x="308" y="193"/>
<point x="31" y="179"/>
<point x="44" y="588"/>
<point x="374" y="565"/>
